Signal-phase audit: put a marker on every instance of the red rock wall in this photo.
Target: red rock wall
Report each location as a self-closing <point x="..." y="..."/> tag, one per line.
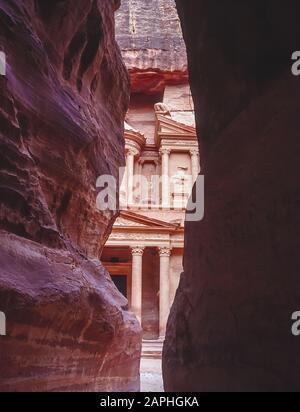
<point x="230" y="325"/>
<point x="62" y="109"/>
<point x="150" y="38"/>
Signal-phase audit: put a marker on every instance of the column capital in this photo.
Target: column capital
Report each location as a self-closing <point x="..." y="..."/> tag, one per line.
<point x="165" y="151"/>
<point x="137" y="251"/>
<point x="194" y="152"/>
<point x="131" y="152"/>
<point x="164" y="251"/>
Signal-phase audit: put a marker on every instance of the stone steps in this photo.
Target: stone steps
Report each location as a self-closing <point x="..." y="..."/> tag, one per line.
<point x="152" y="349"/>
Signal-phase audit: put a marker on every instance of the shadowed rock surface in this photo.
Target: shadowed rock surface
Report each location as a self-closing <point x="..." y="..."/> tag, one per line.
<point x="230" y="325"/>
<point x="62" y="108"/>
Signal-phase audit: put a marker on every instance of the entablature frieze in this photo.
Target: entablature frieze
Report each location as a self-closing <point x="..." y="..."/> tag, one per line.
<point x="139" y="236"/>
<point x="175" y="145"/>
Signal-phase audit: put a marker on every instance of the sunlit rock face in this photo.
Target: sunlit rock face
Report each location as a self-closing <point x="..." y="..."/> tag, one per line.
<point x="230" y="326"/>
<point x="150" y="36"/>
<point x="62" y="109"/>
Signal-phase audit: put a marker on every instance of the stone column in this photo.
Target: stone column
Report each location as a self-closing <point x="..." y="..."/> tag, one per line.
<point x="130" y="176"/>
<point x="137" y="272"/>
<point x="138" y="182"/>
<point x="195" y="164"/>
<point x="165" y="154"/>
<point x="156" y="193"/>
<point x="164" y="291"/>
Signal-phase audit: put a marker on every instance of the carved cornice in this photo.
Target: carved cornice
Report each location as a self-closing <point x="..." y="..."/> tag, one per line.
<point x="168" y="128"/>
<point x="148" y="160"/>
<point x="136" y="137"/>
<point x="141" y="237"/>
<point x="180" y="144"/>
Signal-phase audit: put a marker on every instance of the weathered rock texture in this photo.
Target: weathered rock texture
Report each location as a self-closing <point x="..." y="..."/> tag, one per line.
<point x="230" y="326"/>
<point x="150" y="36"/>
<point x="62" y="109"/>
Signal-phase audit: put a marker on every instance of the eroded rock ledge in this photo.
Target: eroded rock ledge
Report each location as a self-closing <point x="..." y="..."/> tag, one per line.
<point x="230" y="326"/>
<point x="150" y="36"/>
<point x="62" y="109"/>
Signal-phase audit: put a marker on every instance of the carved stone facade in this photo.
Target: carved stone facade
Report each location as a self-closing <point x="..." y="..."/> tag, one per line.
<point x="144" y="252"/>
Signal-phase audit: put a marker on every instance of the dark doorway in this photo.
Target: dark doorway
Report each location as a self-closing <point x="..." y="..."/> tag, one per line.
<point x="121" y="283"/>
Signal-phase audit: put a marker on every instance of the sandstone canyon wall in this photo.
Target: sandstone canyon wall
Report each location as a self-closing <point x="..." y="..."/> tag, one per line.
<point x="230" y="325"/>
<point x="150" y="37"/>
<point x="62" y="109"/>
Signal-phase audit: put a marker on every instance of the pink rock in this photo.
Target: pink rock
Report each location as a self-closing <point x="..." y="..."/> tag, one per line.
<point x="62" y="109"/>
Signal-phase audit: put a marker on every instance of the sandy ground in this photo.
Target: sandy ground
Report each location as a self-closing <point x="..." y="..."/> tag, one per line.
<point x="151" y="375"/>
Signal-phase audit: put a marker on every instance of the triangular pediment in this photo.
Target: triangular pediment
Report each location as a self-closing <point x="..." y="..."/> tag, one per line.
<point x="166" y="125"/>
<point x="129" y="219"/>
<point x="123" y="222"/>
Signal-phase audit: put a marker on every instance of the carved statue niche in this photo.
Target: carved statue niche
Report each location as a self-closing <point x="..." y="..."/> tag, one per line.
<point x="181" y="173"/>
<point x="180" y="187"/>
<point x="149" y="189"/>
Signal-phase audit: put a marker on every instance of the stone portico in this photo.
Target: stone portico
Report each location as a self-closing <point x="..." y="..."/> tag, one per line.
<point x="142" y="247"/>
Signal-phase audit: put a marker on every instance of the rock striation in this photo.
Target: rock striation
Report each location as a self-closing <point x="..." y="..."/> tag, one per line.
<point x="150" y="37"/>
<point x="62" y="107"/>
<point x="230" y="325"/>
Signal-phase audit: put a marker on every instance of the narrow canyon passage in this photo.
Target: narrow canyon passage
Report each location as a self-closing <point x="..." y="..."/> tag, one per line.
<point x="151" y="375"/>
<point x="145" y="249"/>
<point x="136" y="297"/>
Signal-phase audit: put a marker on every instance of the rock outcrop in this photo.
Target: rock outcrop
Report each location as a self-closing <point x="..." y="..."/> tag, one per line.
<point x="230" y="325"/>
<point x="62" y="107"/>
<point x="150" y="36"/>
